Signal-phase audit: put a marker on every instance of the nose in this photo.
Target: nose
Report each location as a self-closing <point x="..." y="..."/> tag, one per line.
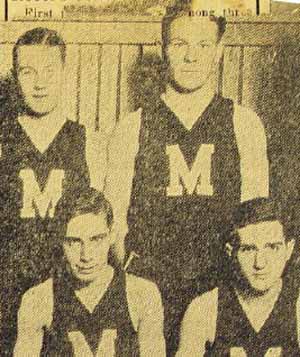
<point x="86" y="253"/>
<point x="260" y="260"/>
<point x="191" y="54"/>
<point x="40" y="81"/>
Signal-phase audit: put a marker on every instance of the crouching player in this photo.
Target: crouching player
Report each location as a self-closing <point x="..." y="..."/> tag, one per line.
<point x="255" y="314"/>
<point x="90" y="308"/>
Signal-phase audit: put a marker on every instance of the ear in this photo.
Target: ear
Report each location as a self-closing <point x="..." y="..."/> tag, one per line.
<point x="290" y="247"/>
<point x="229" y="249"/>
<point x="113" y="235"/>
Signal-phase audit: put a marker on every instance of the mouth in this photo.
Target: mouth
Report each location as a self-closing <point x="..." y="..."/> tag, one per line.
<point x="260" y="276"/>
<point x="85" y="270"/>
<point x="39" y="96"/>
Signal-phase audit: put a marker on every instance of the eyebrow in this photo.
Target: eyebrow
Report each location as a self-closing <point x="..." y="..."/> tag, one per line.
<point x="72" y="238"/>
<point x="273" y="243"/>
<point x="101" y="236"/>
<point x="253" y="246"/>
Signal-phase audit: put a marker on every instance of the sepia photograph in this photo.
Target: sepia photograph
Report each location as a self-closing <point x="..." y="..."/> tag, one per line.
<point x="149" y="178"/>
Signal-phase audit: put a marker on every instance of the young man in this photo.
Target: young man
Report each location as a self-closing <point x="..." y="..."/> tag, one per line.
<point x="179" y="165"/>
<point x="42" y="156"/>
<point x="89" y="307"/>
<point x="256" y="313"/>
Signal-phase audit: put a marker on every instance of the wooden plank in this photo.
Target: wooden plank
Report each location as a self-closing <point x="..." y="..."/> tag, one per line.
<point x="89" y="33"/>
<point x="259" y="33"/>
<point x="231" y="74"/>
<point x="71" y="88"/>
<point x="254" y="64"/>
<point x="88" y="85"/>
<point x="129" y="56"/>
<point x="109" y="100"/>
<point x="5" y="59"/>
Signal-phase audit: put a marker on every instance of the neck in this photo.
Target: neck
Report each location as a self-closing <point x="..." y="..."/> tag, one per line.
<point x="250" y="295"/>
<point x="203" y="94"/>
<point x="103" y="278"/>
<point x="53" y="117"/>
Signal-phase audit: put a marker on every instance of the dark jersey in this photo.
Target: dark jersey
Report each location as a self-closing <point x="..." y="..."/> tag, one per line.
<point x="31" y="185"/>
<point x="108" y="326"/>
<point x="186" y="184"/>
<point x="235" y="333"/>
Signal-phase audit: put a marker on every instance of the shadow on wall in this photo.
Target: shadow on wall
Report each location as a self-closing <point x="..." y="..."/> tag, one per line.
<point x="147" y="80"/>
<point x="10" y="100"/>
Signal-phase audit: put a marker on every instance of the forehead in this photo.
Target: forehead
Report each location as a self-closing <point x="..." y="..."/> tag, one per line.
<point x="87" y="225"/>
<point x="193" y="29"/>
<point x="37" y="55"/>
<point x="262" y="233"/>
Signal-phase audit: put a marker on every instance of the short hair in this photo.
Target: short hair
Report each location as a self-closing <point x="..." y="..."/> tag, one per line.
<point x="88" y="201"/>
<point x="183" y="9"/>
<point x="39" y="36"/>
<point x="257" y="211"/>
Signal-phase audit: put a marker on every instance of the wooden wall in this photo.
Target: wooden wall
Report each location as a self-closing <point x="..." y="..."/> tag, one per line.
<point x="100" y="55"/>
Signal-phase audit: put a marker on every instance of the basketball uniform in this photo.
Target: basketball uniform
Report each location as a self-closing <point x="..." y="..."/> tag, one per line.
<point x="186" y="184"/>
<point x="31" y="185"/>
<point x="234" y="333"/>
<point x="110" y="321"/>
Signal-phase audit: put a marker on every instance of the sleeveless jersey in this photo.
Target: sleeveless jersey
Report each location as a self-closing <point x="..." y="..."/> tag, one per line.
<point x="109" y="324"/>
<point x="31" y="185"/>
<point x="186" y="183"/>
<point x="234" y="332"/>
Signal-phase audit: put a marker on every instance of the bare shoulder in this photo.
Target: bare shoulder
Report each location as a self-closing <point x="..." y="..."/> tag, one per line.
<point x="130" y="120"/>
<point x="38" y="302"/>
<point x="141" y="288"/>
<point x="203" y="304"/>
<point x="246" y="118"/>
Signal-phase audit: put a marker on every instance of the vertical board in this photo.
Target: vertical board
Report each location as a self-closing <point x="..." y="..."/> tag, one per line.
<point x="71" y="82"/>
<point x="231" y="74"/>
<point x="96" y="140"/>
<point x="88" y="85"/>
<point x="254" y="63"/>
<point x="5" y="58"/>
<point x="129" y="55"/>
<point x="109" y="100"/>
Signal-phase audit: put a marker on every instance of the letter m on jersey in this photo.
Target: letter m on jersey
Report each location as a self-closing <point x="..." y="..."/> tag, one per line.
<point x="40" y="201"/>
<point x="195" y="180"/>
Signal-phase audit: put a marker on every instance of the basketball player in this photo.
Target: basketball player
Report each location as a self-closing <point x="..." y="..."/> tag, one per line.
<point x="180" y="164"/>
<point x="42" y="157"/>
<point x="89" y="307"/>
<point x="255" y="313"/>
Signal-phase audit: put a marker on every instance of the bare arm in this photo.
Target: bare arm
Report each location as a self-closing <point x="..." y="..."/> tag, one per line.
<point x="252" y="145"/>
<point x="198" y="325"/>
<point x="147" y="314"/>
<point x="122" y="150"/>
<point x="34" y="314"/>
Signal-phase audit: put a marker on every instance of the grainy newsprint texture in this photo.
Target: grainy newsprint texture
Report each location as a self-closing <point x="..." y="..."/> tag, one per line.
<point x="149" y="178"/>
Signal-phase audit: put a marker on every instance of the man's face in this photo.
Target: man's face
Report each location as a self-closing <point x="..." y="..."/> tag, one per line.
<point x="40" y="75"/>
<point x="263" y="254"/>
<point x="86" y="246"/>
<point x="192" y="51"/>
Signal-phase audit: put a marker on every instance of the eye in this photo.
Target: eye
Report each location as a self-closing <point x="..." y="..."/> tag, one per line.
<point x="274" y="247"/>
<point x="26" y="71"/>
<point x="246" y="249"/>
<point x="99" y="237"/>
<point x="72" y="241"/>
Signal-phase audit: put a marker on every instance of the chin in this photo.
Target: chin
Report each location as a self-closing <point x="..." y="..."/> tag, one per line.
<point x="39" y="110"/>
